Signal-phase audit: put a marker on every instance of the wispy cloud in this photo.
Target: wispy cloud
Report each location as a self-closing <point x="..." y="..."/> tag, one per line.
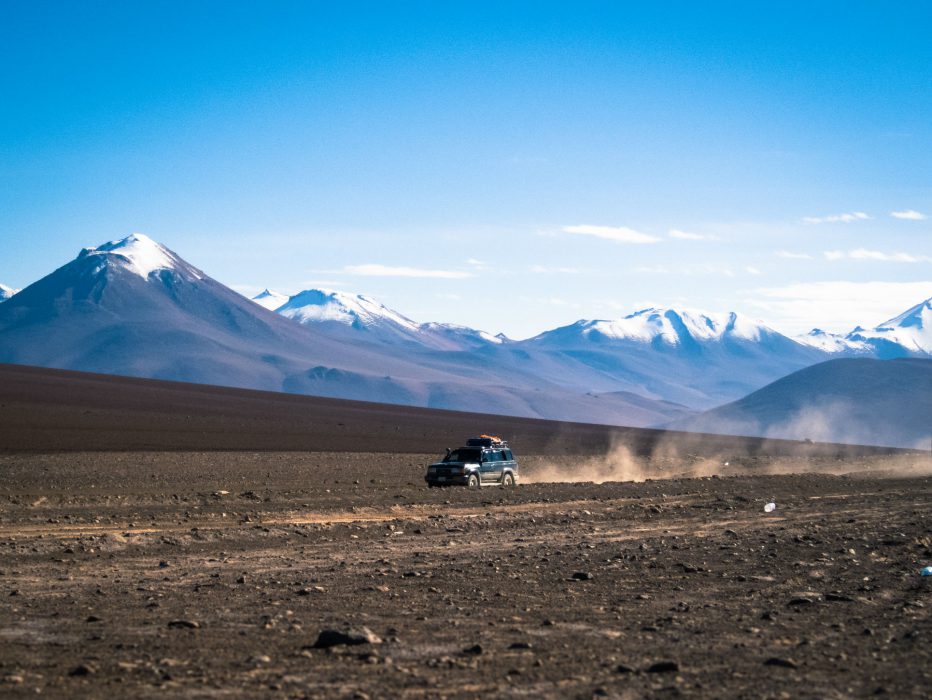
<point x="789" y="255"/>
<point x="619" y="234"/>
<point x="544" y="270"/>
<point x="376" y="270"/>
<point x="690" y="236"/>
<point x="837" y="218"/>
<point x="865" y="254"/>
<point x="687" y="270"/>
<point x="908" y="215"/>
<point x="751" y="270"/>
<point x="836" y="306"/>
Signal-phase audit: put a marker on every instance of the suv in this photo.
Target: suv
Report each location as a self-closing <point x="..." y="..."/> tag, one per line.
<point x="485" y="460"/>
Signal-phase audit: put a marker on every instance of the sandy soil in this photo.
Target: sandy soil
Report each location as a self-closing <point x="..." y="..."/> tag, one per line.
<point x="212" y="574"/>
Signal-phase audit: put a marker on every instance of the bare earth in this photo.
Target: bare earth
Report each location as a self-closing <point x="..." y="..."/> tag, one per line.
<point x="211" y="574"/>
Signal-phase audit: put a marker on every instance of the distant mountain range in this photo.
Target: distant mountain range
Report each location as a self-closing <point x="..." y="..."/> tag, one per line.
<point x="854" y="400"/>
<point x="133" y="307"/>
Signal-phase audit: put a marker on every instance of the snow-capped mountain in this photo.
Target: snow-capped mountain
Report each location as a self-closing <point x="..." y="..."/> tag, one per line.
<point x="691" y="357"/>
<point x="271" y="300"/>
<point x="833" y="343"/>
<point x="679" y="327"/>
<point x="357" y="316"/>
<point x="6" y="292"/>
<point x="906" y="335"/>
<point x="910" y="333"/>
<point x="355" y="310"/>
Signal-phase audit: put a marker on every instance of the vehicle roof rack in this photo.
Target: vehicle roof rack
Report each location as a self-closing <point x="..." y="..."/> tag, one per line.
<point x="486" y="441"/>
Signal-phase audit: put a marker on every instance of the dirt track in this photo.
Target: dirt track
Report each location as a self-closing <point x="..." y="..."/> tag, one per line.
<point x="212" y="574"/>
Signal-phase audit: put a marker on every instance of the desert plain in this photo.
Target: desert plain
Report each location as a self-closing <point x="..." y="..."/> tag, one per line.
<point x="161" y="540"/>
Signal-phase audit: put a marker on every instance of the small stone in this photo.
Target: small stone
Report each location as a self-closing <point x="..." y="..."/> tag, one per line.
<point x="83" y="670"/>
<point x="349" y="637"/>
<point x="241" y="579"/>
<point x="663" y="667"/>
<point x="582" y="576"/>
<point x="782" y="663"/>
<point x="184" y="624"/>
<point x="475" y="649"/>
<point x="92" y="618"/>
<point x="520" y="645"/>
<point x="624" y="668"/>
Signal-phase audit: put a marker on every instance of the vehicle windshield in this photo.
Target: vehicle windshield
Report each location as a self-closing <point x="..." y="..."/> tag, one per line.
<point x="464" y="454"/>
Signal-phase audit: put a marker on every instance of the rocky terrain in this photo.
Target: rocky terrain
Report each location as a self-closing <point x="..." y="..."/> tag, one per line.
<point x="301" y="574"/>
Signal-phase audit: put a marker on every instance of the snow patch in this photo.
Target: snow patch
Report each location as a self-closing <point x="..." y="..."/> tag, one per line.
<point x="315" y="305"/>
<point x="137" y="253"/>
<point x="6" y="292"/>
<point x="671" y="325"/>
<point x="270" y="299"/>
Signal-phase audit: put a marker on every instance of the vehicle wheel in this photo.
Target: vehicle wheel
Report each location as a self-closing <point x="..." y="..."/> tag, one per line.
<point x="508" y="481"/>
<point x="472" y="482"/>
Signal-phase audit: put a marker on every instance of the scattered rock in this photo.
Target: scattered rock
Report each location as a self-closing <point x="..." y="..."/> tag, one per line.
<point x="83" y="670"/>
<point x="348" y="637"/>
<point x="800" y="601"/>
<point x="663" y="667"/>
<point x="184" y="624"/>
<point x="582" y="576"/>
<point x="782" y="663"/>
<point x="520" y="645"/>
<point x="475" y="650"/>
<point x="839" y="597"/>
<point x="624" y="668"/>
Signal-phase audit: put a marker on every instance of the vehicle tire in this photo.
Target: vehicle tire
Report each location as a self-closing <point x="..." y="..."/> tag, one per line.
<point x="472" y="482"/>
<point x="508" y="481"/>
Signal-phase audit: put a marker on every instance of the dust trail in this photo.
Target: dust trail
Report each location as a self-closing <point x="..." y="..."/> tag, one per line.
<point x="675" y="458"/>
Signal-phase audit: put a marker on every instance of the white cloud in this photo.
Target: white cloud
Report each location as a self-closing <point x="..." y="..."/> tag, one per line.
<point x="687" y="270"/>
<point x="793" y="256"/>
<point x="865" y="254"/>
<point x="376" y="270"/>
<point x="619" y="234"/>
<point x="909" y="215"/>
<point x="751" y="270"/>
<point x="543" y="270"/>
<point x="690" y="236"/>
<point x="837" y="218"/>
<point x="837" y="306"/>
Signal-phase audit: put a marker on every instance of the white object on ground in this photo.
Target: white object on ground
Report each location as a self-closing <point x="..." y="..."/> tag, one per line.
<point x="770" y="507"/>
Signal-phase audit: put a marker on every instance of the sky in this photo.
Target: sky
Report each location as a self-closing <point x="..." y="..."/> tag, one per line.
<point x="508" y="166"/>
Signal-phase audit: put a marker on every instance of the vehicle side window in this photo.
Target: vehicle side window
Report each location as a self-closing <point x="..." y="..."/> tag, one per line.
<point x="508" y="455"/>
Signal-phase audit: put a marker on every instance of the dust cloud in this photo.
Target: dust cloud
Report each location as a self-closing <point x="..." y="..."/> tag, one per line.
<point x="674" y="458"/>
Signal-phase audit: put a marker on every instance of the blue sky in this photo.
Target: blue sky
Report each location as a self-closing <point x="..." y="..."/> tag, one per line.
<point x="509" y="166"/>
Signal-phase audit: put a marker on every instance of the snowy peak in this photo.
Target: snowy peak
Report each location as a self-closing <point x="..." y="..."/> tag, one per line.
<point x="6" y="292"/>
<point x="912" y="330"/>
<point x="670" y="326"/>
<point x="356" y="310"/>
<point x="832" y="342"/>
<point x="138" y="254"/>
<point x="270" y="299"/>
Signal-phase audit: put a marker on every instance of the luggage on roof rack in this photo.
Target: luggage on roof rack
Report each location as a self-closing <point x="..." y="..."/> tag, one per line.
<point x="486" y="441"/>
